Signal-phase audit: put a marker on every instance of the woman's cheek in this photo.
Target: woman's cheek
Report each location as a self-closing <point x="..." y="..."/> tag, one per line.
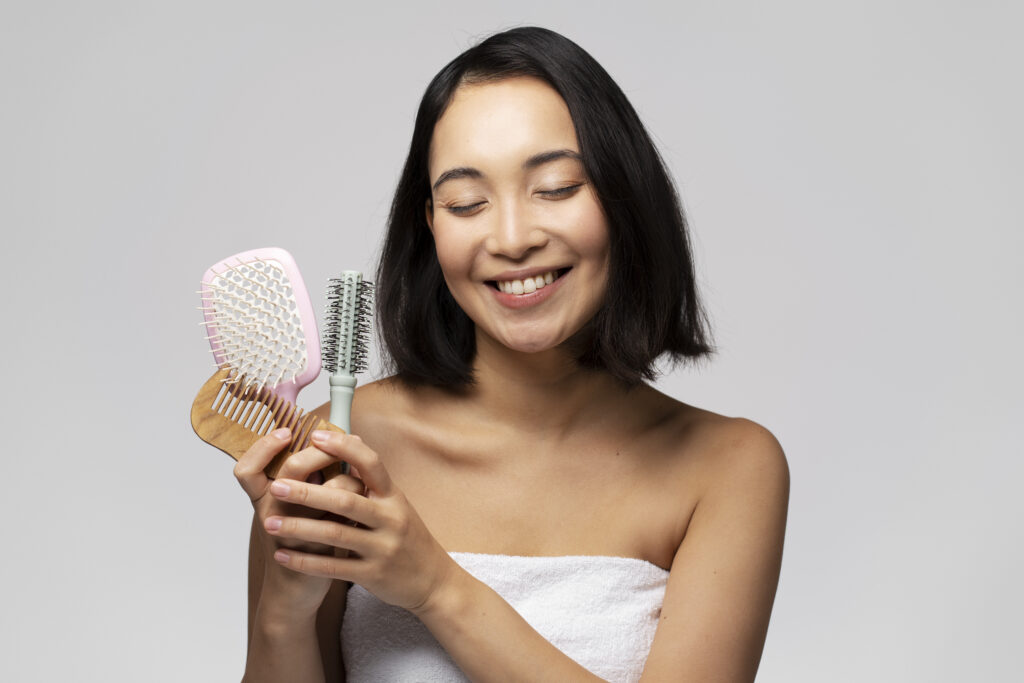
<point x="455" y="259"/>
<point x="447" y="254"/>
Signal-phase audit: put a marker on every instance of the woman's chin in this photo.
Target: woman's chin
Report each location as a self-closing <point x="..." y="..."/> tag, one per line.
<point x="529" y="343"/>
<point x="530" y="347"/>
<point x="538" y="340"/>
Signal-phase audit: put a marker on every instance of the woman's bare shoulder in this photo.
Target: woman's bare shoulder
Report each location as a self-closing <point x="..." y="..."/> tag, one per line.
<point x="371" y="397"/>
<point x="716" y="444"/>
<point x="388" y="409"/>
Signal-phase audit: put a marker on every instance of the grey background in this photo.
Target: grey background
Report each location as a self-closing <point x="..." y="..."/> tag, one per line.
<point x="852" y="174"/>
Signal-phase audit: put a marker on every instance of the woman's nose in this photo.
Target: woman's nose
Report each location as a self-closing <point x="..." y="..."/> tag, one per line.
<point x="514" y="234"/>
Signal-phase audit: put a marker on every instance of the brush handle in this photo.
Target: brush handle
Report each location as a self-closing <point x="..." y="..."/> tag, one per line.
<point x="342" y="390"/>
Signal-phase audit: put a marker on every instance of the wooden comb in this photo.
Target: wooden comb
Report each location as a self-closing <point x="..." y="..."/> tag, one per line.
<point x="232" y="413"/>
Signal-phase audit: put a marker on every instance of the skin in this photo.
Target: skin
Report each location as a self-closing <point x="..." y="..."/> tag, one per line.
<point x="561" y="460"/>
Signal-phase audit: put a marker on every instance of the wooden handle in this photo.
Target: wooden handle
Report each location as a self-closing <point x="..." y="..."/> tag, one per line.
<point x="232" y="414"/>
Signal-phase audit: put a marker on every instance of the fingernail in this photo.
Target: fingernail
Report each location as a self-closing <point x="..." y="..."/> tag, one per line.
<point x="280" y="489"/>
<point x="319" y="436"/>
<point x="282" y="433"/>
<point x="274" y="523"/>
<point x="281" y="556"/>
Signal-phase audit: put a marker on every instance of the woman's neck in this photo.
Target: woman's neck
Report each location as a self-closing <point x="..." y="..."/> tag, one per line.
<point x="542" y="393"/>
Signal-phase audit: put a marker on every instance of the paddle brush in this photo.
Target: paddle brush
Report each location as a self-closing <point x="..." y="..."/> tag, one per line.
<point x="265" y="344"/>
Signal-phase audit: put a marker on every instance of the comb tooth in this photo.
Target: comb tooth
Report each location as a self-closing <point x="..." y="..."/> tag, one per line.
<point x="266" y="413"/>
<point x="256" y="417"/>
<point x="275" y="413"/>
<point x="286" y="415"/>
<point x="229" y="406"/>
<point x="248" y="409"/>
<point x="264" y="418"/>
<point x="259" y="405"/>
<point x="228" y="397"/>
<point x="305" y="429"/>
<point x="243" y="400"/>
<point x="294" y="423"/>
<point x="219" y="398"/>
<point x="281" y="412"/>
<point x="236" y="405"/>
<point x="275" y="404"/>
<point x="289" y="420"/>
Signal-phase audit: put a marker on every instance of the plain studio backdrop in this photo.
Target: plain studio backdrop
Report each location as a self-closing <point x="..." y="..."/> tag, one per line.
<point x="852" y="174"/>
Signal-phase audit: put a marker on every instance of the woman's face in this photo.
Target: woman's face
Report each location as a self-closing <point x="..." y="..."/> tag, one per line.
<point x="521" y="238"/>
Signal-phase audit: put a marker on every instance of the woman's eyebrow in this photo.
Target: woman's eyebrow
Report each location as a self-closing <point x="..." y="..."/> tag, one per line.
<point x="531" y="163"/>
<point x="456" y="173"/>
<point x="547" y="157"/>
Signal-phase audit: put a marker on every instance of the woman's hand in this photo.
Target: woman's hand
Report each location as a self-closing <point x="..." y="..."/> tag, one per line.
<point x="394" y="555"/>
<point x="297" y="594"/>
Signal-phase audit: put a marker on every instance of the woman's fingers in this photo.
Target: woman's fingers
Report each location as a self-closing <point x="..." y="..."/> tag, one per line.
<point x="346" y="569"/>
<point x="346" y="482"/>
<point x="320" y="531"/>
<point x="345" y="503"/>
<point x="351" y="449"/>
<point x="301" y="464"/>
<point x="249" y="468"/>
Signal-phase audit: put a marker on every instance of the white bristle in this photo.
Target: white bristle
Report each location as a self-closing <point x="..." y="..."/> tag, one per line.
<point x="253" y="318"/>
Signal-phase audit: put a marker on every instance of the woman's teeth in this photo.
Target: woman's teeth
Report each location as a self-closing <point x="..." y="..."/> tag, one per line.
<point x="528" y="285"/>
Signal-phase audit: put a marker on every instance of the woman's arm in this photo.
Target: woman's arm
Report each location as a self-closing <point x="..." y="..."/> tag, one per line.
<point x="489" y="640"/>
<point x="714" y="619"/>
<point x="271" y="641"/>
<point x="284" y="647"/>
<point x="290" y="616"/>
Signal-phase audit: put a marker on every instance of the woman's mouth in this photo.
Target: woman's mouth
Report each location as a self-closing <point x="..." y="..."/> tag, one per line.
<point x="528" y="285"/>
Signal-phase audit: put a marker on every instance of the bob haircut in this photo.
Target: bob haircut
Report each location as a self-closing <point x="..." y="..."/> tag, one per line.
<point x="651" y="305"/>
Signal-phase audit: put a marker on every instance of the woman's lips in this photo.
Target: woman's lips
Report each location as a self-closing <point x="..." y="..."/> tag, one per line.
<point x="531" y="299"/>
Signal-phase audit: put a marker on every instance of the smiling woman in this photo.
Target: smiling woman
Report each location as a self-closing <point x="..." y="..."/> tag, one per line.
<point x="650" y="306"/>
<point x="522" y="504"/>
<point x="514" y="209"/>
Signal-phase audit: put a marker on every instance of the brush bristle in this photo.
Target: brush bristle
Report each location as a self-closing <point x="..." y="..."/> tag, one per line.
<point x="345" y="341"/>
<point x="254" y="322"/>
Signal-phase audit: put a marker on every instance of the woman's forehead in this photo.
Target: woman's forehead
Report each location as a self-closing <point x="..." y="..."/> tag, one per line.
<point x="501" y="122"/>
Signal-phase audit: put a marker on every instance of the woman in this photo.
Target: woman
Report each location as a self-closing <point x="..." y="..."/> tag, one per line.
<point x="536" y="266"/>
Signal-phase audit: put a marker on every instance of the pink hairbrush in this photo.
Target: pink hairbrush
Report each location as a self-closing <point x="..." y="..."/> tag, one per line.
<point x="264" y="340"/>
<point x="261" y="321"/>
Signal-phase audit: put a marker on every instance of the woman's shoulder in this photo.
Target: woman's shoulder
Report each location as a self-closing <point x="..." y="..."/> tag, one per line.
<point x="715" y="445"/>
<point x="387" y="409"/>
<point x="372" y="400"/>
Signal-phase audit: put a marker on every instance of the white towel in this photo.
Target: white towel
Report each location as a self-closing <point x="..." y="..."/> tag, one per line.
<point x="600" y="611"/>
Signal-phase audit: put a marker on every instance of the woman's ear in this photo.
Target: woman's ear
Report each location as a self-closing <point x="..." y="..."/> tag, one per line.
<point x="430" y="214"/>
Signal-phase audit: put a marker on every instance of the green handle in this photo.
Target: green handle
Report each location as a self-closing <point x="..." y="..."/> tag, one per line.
<point x="342" y="390"/>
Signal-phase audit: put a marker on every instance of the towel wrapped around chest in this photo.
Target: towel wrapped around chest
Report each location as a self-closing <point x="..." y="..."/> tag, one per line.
<point x="600" y="611"/>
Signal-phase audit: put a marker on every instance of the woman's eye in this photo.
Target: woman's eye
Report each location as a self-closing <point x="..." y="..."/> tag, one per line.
<point x="560" y="191"/>
<point x="464" y="210"/>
